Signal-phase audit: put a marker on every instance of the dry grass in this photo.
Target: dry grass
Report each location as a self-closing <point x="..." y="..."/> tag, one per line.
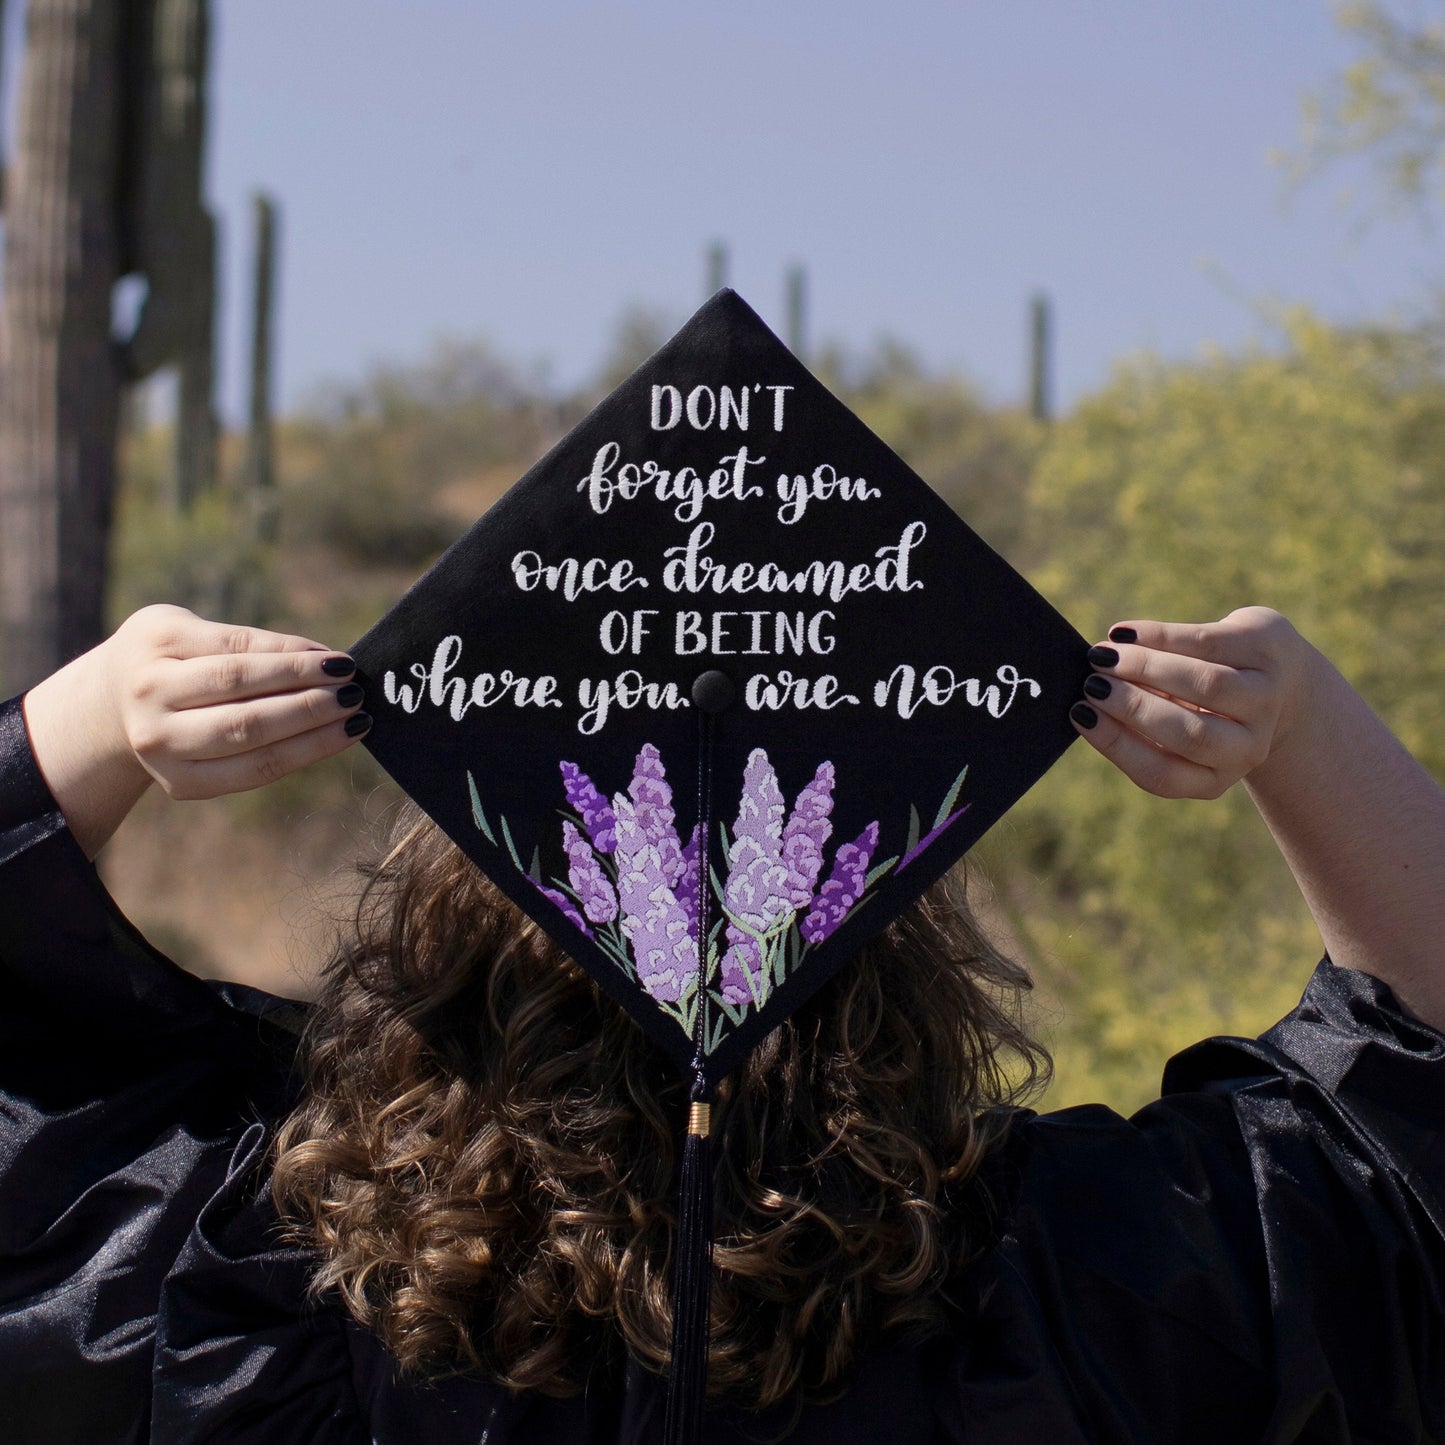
<point x="236" y="891"/>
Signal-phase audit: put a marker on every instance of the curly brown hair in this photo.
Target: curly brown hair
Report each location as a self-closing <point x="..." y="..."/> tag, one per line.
<point x="484" y="1158"/>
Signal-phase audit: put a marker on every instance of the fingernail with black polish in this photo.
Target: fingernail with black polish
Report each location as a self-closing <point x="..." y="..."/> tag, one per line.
<point x="1095" y="686"/>
<point x="349" y="695"/>
<point x="357" y="724"/>
<point x="338" y="667"/>
<point x="1123" y="634"/>
<point x="1081" y="713"/>
<point x="1103" y="657"/>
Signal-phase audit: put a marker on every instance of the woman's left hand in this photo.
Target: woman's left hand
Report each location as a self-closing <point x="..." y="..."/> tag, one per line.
<point x="1188" y="709"/>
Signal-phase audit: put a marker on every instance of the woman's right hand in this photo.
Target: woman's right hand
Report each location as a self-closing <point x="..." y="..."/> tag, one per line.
<point x="202" y="708"/>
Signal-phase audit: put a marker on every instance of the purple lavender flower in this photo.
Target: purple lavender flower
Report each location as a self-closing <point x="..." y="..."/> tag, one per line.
<point x="757" y="895"/>
<point x="740" y="961"/>
<point x="809" y="828"/>
<point x="562" y="901"/>
<point x="689" y="886"/>
<point x="652" y="918"/>
<point x="844" y="886"/>
<point x="584" y="799"/>
<point x="652" y="794"/>
<point x="589" y="882"/>
<point x="756" y="891"/>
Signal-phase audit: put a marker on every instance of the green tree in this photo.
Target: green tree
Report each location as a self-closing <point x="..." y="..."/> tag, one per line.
<point x="1387" y="107"/>
<point x="977" y="458"/>
<point x="1312" y="481"/>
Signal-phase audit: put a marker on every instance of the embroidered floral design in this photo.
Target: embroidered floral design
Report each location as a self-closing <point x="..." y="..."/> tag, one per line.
<point x="652" y="796"/>
<point x="689" y="886"/>
<point x="808" y="830"/>
<point x="636" y="890"/>
<point x="584" y="871"/>
<point x="652" y="919"/>
<point x="584" y="799"/>
<point x="757" y="899"/>
<point x="844" y="887"/>
<point x="553" y="895"/>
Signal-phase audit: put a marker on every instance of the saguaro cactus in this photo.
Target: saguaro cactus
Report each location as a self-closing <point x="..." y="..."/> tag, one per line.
<point x="58" y="379"/>
<point x="717" y="268"/>
<point x="171" y="234"/>
<point x="2" y="69"/>
<point x="259" y="479"/>
<point x="1039" y="337"/>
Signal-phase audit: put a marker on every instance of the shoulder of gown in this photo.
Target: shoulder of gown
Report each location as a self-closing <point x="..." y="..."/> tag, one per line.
<point x="1341" y="1107"/>
<point x="1257" y="1256"/>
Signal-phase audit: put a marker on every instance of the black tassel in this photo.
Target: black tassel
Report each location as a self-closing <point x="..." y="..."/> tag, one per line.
<point x="692" y="1277"/>
<point x="692" y="1248"/>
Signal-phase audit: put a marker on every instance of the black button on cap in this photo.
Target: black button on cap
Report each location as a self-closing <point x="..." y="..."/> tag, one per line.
<point x="713" y="691"/>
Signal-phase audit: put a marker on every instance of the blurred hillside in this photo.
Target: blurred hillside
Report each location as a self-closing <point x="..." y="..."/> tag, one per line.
<point x="1312" y="480"/>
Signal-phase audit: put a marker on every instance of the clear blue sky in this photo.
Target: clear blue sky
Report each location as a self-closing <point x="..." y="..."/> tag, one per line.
<point x="524" y="171"/>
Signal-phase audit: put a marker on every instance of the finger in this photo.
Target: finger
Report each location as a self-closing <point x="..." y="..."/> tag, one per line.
<point x="231" y="728"/>
<point x="214" y="776"/>
<point x="1231" y="692"/>
<point x="1164" y="774"/>
<point x="180" y="634"/>
<point x="1247" y="638"/>
<point x="232" y="676"/>
<point x="1200" y="737"/>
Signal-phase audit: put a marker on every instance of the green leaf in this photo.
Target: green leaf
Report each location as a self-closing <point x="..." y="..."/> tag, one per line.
<point x="876" y="872"/>
<point x="735" y="1015"/>
<point x="714" y="1037"/>
<point x="512" y="847"/>
<point x="949" y="799"/>
<point x="914" y="828"/>
<point x="777" y="962"/>
<point x="689" y="1007"/>
<point x="617" y="955"/>
<point x="478" y="816"/>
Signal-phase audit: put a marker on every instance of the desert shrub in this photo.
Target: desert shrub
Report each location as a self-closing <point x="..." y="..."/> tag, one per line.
<point x="1312" y="481"/>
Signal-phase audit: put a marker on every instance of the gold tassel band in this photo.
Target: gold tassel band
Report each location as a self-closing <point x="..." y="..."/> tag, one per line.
<point x="699" y="1120"/>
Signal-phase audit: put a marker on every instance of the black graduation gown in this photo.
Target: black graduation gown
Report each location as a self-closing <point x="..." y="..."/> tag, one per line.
<point x="1260" y="1255"/>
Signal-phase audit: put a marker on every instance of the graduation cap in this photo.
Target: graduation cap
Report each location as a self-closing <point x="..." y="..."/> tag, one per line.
<point x="713" y="693"/>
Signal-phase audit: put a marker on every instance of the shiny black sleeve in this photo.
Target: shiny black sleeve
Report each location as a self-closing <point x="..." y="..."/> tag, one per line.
<point x="1341" y="1107"/>
<point x="132" y="1095"/>
<point x="1258" y="1256"/>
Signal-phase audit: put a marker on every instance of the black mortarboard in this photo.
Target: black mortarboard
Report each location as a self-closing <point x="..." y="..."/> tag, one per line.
<point x="713" y="693"/>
